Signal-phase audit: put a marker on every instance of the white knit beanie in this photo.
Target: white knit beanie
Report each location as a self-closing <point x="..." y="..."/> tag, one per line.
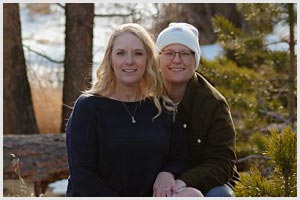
<point x="180" y="33"/>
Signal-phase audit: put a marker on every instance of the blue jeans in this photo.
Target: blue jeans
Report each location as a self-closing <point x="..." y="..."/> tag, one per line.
<point x="220" y="191"/>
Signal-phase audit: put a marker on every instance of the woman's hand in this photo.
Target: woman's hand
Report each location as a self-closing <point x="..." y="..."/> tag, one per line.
<point x="188" y="192"/>
<point x="164" y="185"/>
<point x="179" y="184"/>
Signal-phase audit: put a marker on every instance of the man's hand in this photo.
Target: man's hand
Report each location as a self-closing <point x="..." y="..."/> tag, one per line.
<point x="164" y="185"/>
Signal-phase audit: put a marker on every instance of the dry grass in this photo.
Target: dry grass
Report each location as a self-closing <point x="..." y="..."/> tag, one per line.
<point x="47" y="104"/>
<point x="21" y="187"/>
<point x="15" y="188"/>
<point x="39" y="8"/>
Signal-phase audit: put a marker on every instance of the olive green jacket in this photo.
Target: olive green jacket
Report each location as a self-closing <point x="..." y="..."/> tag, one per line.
<point x="210" y="134"/>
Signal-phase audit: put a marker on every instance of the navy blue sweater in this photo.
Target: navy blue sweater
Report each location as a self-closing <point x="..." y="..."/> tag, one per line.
<point x="109" y="155"/>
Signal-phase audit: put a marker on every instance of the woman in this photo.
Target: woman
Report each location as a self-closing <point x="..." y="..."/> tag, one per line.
<point x="203" y="111"/>
<point x="119" y="136"/>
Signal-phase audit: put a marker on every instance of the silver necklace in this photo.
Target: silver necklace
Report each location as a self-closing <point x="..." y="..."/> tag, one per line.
<point x="132" y="116"/>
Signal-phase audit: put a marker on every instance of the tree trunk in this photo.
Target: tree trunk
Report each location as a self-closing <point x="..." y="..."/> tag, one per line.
<point x="78" y="54"/>
<point x="18" y="111"/>
<point x="199" y="15"/>
<point x="292" y="71"/>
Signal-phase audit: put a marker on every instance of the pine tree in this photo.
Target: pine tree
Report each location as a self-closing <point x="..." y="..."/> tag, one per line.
<point x="260" y="87"/>
<point x="282" y="180"/>
<point x="252" y="50"/>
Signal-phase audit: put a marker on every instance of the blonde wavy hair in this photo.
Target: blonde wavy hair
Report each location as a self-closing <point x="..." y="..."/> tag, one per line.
<point x="151" y="84"/>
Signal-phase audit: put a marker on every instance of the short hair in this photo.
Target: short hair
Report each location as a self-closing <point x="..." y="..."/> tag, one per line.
<point x="151" y="84"/>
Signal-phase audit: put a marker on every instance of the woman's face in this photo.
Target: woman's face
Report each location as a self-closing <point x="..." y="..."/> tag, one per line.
<point x="129" y="59"/>
<point x="178" y="70"/>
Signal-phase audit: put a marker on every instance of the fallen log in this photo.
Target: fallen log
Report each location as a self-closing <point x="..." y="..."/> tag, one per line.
<point x="38" y="158"/>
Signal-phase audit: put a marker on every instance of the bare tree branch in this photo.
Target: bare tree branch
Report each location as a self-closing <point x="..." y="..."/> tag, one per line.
<point x="278" y="42"/>
<point x="60" y="5"/>
<point x="43" y="55"/>
<point x="113" y="15"/>
<point x="252" y="157"/>
<point x="274" y="115"/>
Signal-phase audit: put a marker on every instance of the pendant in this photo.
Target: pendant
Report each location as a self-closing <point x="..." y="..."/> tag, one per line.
<point x="133" y="120"/>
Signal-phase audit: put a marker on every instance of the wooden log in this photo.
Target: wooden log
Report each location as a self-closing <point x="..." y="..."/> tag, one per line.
<point x="38" y="158"/>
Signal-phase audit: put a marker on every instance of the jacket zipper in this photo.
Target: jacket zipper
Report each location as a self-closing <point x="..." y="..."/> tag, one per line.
<point x="175" y="111"/>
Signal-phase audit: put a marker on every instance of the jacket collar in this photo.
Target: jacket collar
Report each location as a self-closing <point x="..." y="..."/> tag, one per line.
<point x="190" y="91"/>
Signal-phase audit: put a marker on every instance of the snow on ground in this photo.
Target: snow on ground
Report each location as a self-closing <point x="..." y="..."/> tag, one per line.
<point x="59" y="187"/>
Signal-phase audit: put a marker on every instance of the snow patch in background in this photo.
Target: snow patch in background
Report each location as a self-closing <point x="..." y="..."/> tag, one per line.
<point x="212" y="51"/>
<point x="59" y="187"/>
